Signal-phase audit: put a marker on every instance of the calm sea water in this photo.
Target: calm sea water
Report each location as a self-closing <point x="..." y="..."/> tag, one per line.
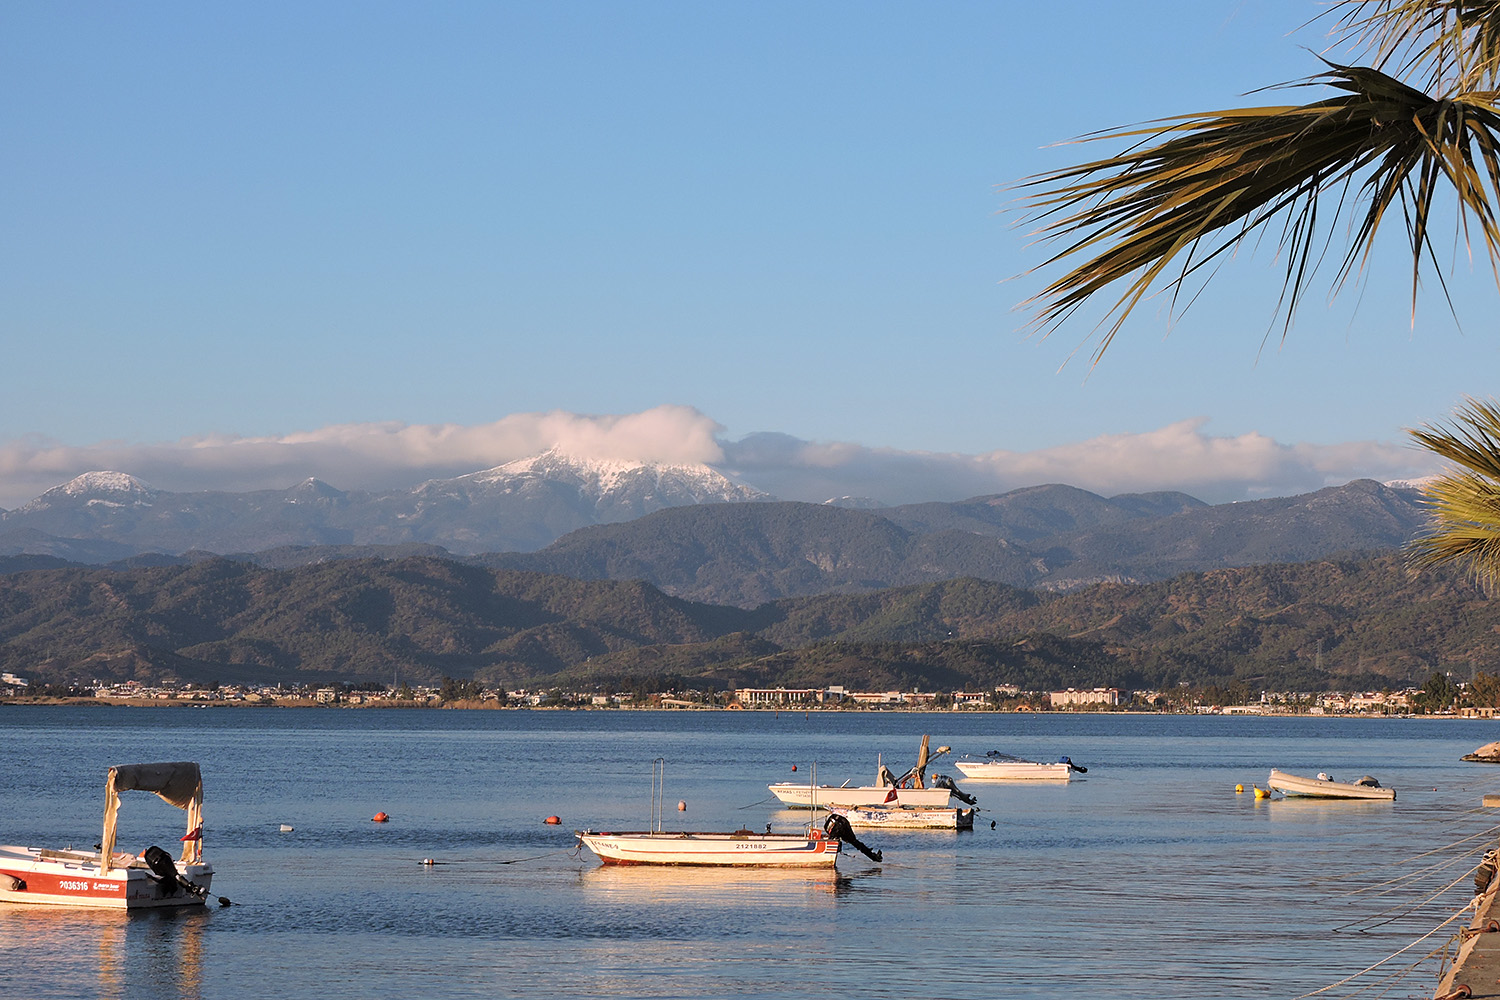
<point x="1149" y="877"/>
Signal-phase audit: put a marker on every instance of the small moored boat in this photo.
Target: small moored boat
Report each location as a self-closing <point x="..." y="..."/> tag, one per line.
<point x="875" y="817"/>
<point x="104" y="878"/>
<point x="911" y="790"/>
<point x="742" y="847"/>
<point x="999" y="766"/>
<point x="1324" y="787"/>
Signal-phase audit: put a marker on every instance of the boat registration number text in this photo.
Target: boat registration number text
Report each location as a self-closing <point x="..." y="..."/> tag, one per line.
<point x="82" y="885"/>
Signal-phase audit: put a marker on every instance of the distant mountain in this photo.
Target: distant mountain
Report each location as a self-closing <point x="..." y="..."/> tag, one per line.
<point x="1363" y="623"/>
<point x="516" y="507"/>
<point x="1051" y="537"/>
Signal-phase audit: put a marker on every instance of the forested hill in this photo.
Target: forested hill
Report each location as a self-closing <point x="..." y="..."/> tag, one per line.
<point x="1353" y="623"/>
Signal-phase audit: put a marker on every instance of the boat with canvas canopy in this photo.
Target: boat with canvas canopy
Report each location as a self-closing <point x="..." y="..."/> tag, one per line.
<point x="104" y="878"/>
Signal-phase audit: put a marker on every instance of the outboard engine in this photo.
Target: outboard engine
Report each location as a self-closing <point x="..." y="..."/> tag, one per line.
<point x="943" y="781"/>
<point x="838" y="828"/>
<point x="161" y="865"/>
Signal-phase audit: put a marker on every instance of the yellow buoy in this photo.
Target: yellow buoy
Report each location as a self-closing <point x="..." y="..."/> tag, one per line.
<point x="1238" y="789"/>
<point x="1261" y="793"/>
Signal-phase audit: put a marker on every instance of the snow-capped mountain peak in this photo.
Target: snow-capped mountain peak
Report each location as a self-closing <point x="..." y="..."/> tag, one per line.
<point x="110" y="489"/>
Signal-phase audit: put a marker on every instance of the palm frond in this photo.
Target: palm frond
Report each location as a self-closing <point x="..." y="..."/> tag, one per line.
<point x="1464" y="504"/>
<point x="1448" y="44"/>
<point x="1195" y="187"/>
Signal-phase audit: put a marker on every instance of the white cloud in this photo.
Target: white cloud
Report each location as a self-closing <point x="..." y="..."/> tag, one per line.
<point x="1181" y="456"/>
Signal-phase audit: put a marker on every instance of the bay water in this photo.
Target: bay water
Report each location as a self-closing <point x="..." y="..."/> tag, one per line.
<point x="1146" y="877"/>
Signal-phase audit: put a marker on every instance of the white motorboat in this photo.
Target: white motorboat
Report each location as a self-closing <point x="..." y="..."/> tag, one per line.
<point x="997" y="766"/>
<point x="910" y="791"/>
<point x="104" y="878"/>
<point x="1324" y="787"/>
<point x="1487" y="754"/>
<point x="811" y="849"/>
<point x="850" y="796"/>
<point x="878" y="818"/>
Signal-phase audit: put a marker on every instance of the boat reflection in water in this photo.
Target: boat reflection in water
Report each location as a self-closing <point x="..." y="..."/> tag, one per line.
<point x="136" y="953"/>
<point x="659" y="885"/>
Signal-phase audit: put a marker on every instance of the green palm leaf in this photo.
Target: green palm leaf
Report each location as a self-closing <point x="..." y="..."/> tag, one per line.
<point x="1197" y="186"/>
<point x="1464" y="519"/>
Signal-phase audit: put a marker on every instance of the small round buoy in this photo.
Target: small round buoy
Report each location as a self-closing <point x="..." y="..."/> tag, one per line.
<point x="1238" y="789"/>
<point x="379" y="817"/>
<point x="286" y="828"/>
<point x="681" y="806"/>
<point x="428" y="861"/>
<point x="552" y="821"/>
<point x="1261" y="793"/>
<point x="794" y="767"/>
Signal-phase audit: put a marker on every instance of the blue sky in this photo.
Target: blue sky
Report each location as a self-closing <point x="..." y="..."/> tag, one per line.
<point x="324" y="232"/>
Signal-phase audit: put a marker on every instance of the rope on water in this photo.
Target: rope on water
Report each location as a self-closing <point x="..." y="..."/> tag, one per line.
<point x="768" y="798"/>
<point x="1372" y="968"/>
<point x="1487" y="832"/>
<point x="1399" y="912"/>
<point x="1400" y="880"/>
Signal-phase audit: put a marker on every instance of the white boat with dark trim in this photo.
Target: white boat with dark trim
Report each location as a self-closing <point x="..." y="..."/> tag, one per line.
<point x="881" y="818"/>
<point x="1324" y="787"/>
<point x="104" y="878"/>
<point x="811" y="849"/>
<point x="997" y="766"/>
<point x="913" y="790"/>
<point x="845" y="796"/>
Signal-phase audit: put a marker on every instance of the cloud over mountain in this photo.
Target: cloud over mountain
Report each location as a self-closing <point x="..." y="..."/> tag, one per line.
<point x="374" y="456"/>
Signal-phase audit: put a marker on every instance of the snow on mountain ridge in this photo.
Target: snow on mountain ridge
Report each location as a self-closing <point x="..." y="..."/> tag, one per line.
<point x="603" y="477"/>
<point x="90" y="486"/>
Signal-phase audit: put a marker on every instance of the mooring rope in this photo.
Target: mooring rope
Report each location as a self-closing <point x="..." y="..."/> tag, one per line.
<point x="1398" y="913"/>
<point x="1399" y="951"/>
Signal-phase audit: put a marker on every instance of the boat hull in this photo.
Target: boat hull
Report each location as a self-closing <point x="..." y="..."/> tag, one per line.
<point x="1319" y="788"/>
<point x="717" y="849"/>
<point x="1013" y="770"/>
<point x="870" y="817"/>
<point x="801" y="796"/>
<point x="73" y="878"/>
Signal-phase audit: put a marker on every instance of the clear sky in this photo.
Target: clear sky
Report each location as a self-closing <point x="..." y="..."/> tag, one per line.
<point x="243" y="244"/>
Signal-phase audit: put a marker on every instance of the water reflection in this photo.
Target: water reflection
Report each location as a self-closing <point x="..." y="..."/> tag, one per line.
<point x="672" y="885"/>
<point x="48" y="951"/>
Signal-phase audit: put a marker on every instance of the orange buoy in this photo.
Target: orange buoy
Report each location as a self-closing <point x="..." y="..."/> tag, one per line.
<point x="681" y="806"/>
<point x="379" y="817"/>
<point x="552" y="821"/>
<point x="794" y="767"/>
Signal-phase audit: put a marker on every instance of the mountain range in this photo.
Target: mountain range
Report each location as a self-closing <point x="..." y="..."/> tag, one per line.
<point x="698" y="535"/>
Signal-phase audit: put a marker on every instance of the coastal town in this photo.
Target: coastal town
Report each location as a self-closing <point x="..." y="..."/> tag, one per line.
<point x="1461" y="699"/>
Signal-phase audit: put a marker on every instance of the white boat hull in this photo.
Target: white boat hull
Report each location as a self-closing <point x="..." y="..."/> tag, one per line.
<point x="1013" y="770"/>
<point x="1322" y="788"/>
<point x="802" y="796"/>
<point x="877" y="818"/>
<point x="73" y="878"/>
<point x="726" y="849"/>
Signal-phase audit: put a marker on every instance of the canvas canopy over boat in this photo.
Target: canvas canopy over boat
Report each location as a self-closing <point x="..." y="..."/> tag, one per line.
<point x="912" y="790"/>
<point x="997" y="766"/>
<point x="105" y="878"/>
<point x="879" y="818"/>
<point x="1324" y="787"/>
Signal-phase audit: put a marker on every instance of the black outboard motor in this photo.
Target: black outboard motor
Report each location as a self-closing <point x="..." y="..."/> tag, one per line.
<point x="943" y="781"/>
<point x="162" y="866"/>
<point x="160" y="863"/>
<point x="1072" y="766"/>
<point x="838" y="828"/>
